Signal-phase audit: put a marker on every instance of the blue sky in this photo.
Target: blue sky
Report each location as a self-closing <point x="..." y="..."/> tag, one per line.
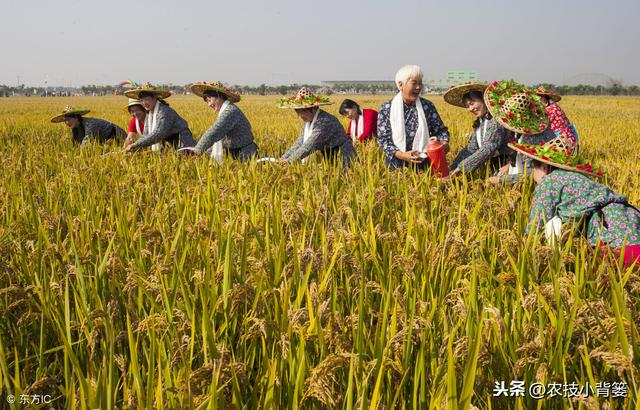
<point x="73" y="42"/>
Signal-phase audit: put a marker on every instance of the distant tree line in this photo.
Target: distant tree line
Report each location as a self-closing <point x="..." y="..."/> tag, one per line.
<point x="613" y="89"/>
<point x="263" y="89"/>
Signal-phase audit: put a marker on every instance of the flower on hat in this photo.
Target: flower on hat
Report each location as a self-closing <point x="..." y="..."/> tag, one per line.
<point x="303" y="98"/>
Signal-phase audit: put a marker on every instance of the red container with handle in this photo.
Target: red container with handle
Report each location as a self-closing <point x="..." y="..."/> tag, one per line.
<point x="438" y="158"/>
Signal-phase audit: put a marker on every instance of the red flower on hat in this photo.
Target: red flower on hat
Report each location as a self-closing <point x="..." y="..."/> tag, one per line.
<point x="527" y="130"/>
<point x="501" y="102"/>
<point x="491" y="103"/>
<point x="494" y="84"/>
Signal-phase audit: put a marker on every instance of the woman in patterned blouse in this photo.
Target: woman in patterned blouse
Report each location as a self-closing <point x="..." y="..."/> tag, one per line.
<point x="84" y="130"/>
<point x="231" y="132"/>
<point x="558" y="121"/>
<point x="162" y="123"/>
<point x="321" y="131"/>
<point x="565" y="195"/>
<point x="488" y="140"/>
<point x="408" y="122"/>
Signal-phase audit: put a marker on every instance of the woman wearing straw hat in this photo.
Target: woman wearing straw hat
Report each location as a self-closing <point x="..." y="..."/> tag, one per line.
<point x="162" y="123"/>
<point x="362" y="122"/>
<point x="488" y="140"/>
<point x="136" y="124"/>
<point x="408" y="122"/>
<point x="565" y="194"/>
<point x="84" y="130"/>
<point x="321" y="131"/>
<point x="558" y="121"/>
<point x="520" y="110"/>
<point x="231" y="132"/>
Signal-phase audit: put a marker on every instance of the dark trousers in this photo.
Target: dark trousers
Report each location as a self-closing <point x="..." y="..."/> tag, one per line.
<point x="243" y="153"/>
<point x="346" y="152"/>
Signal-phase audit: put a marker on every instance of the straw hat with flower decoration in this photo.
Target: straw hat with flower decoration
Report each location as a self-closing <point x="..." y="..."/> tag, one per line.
<point x="69" y="111"/>
<point x="557" y="153"/>
<point x="552" y="95"/>
<point x="304" y="98"/>
<point x="200" y="88"/>
<point x="516" y="107"/>
<point x="455" y="94"/>
<point x="158" y="92"/>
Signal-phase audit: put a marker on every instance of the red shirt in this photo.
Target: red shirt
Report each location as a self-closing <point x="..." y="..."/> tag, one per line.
<point x="132" y="125"/>
<point x="370" y="124"/>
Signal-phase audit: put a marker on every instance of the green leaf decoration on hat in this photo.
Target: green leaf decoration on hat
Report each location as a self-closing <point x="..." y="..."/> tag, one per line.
<point x="304" y="98"/>
<point x="550" y="153"/>
<point x="516" y="107"/>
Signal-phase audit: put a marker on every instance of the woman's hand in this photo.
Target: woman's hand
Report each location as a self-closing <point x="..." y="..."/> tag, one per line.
<point x="493" y="180"/>
<point x="409" y="156"/>
<point x="130" y="149"/>
<point x="451" y="175"/>
<point x="503" y="170"/>
<point x="131" y="138"/>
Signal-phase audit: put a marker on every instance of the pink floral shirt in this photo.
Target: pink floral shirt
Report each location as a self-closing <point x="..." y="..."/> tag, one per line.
<point x="560" y="125"/>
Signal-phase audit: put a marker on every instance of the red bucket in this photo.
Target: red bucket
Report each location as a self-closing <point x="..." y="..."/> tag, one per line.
<point x="438" y="158"/>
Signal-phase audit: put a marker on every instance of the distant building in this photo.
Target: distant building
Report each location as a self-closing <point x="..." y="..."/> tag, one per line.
<point x="361" y="83"/>
<point x="453" y="78"/>
<point x="434" y="85"/>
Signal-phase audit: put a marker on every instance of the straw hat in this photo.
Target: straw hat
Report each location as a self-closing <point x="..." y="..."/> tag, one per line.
<point x="303" y="99"/>
<point x="68" y="111"/>
<point x="160" y="93"/>
<point x="557" y="153"/>
<point x="552" y="95"/>
<point x="455" y="94"/>
<point x="201" y="87"/>
<point x="132" y="102"/>
<point x="516" y="107"/>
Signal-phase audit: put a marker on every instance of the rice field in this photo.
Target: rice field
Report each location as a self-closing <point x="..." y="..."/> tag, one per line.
<point x="155" y="281"/>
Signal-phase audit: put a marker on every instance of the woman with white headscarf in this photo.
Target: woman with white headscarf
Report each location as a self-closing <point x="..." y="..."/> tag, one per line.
<point x="408" y="122"/>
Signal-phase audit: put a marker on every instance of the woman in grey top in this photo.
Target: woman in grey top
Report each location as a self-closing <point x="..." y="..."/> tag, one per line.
<point x="321" y="131"/>
<point x="231" y="132"/>
<point x="162" y="123"/>
<point x="85" y="130"/>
